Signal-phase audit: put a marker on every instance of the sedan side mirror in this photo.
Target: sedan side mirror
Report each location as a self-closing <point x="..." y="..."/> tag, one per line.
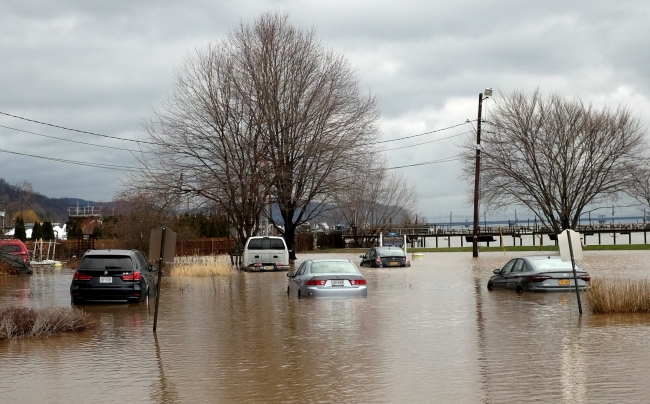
<point x="290" y="274"/>
<point x="362" y="256"/>
<point x="496" y="271"/>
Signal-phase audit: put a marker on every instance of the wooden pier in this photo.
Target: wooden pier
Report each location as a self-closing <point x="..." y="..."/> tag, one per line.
<point x="510" y="236"/>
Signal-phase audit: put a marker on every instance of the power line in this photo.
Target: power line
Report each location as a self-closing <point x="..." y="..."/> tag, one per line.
<point x="81" y="163"/>
<point x="72" y="141"/>
<point x="422" y="134"/>
<point x="430" y="141"/>
<point x="74" y="130"/>
<point x="443" y="160"/>
<point x="153" y="143"/>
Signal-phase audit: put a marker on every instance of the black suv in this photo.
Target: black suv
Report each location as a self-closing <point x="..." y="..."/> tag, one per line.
<point x="113" y="276"/>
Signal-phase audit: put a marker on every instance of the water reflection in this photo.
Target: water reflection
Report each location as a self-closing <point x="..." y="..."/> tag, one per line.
<point x="429" y="333"/>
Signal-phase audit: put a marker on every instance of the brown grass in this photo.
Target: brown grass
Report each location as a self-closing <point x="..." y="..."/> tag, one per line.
<point x="195" y="266"/>
<point x="22" y="322"/>
<point x="618" y="295"/>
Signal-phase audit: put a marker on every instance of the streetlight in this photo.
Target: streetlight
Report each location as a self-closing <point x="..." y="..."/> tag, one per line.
<point x="488" y="93"/>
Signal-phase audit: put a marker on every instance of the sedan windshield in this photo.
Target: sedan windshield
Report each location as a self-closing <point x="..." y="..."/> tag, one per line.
<point x="549" y="265"/>
<point x="111" y="262"/>
<point x="333" y="267"/>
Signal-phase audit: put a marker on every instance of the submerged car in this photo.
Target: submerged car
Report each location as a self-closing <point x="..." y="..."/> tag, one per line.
<point x="378" y="257"/>
<point x="327" y="278"/>
<point x="113" y="276"/>
<point x="538" y="274"/>
<point x="14" y="255"/>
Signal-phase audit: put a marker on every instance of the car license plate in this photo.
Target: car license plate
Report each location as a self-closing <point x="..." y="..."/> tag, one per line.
<point x="337" y="282"/>
<point x="393" y="263"/>
<point x="269" y="267"/>
<point x="564" y="282"/>
<point x="105" y="279"/>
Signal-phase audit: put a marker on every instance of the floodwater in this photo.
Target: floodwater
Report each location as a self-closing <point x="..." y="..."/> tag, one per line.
<point x="429" y="333"/>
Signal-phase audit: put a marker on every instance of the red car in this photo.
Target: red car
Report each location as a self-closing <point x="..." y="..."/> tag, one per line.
<point x="14" y="252"/>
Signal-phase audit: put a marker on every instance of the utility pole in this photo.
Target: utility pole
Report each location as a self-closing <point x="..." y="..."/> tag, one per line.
<point x="488" y="92"/>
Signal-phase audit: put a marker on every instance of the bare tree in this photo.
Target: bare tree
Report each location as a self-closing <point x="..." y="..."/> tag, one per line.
<point x="136" y="214"/>
<point x="265" y="113"/>
<point x="25" y="192"/>
<point x="204" y="144"/>
<point x="554" y="155"/>
<point x="639" y="184"/>
<point x="376" y="200"/>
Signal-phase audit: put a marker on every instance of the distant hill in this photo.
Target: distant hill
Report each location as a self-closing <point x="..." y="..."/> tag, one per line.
<point x="53" y="209"/>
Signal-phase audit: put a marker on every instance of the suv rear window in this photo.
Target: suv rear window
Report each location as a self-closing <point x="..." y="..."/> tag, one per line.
<point x="106" y="262"/>
<point x="7" y="248"/>
<point x="266" y="244"/>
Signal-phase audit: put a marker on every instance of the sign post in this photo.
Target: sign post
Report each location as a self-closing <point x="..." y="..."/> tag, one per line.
<point x="162" y="248"/>
<point x="571" y="249"/>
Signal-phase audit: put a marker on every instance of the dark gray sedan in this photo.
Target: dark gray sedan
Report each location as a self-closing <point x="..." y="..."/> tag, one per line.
<point x="538" y="274"/>
<point x="378" y="257"/>
<point x="327" y="278"/>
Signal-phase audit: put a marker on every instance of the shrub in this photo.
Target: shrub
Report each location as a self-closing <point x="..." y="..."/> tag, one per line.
<point x="618" y="295"/>
<point x="212" y="265"/>
<point x="21" y="322"/>
<point x="37" y="231"/>
<point x="20" y="233"/>
<point x="48" y="230"/>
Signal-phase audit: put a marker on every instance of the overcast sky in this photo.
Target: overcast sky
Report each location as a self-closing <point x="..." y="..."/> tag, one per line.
<point x="101" y="66"/>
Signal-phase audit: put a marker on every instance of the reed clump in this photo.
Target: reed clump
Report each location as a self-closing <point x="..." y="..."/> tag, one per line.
<point x="617" y="295"/>
<point x="23" y="322"/>
<point x="201" y="266"/>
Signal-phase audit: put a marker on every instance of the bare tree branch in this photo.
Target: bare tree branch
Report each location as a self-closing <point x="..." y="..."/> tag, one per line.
<point x="268" y="112"/>
<point x="555" y="156"/>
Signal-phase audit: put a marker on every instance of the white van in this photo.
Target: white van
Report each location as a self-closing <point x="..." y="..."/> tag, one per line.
<point x="265" y="253"/>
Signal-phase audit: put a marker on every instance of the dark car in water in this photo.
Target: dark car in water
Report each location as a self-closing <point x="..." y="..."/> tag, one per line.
<point x="378" y="257"/>
<point x="538" y="274"/>
<point x="113" y="276"/>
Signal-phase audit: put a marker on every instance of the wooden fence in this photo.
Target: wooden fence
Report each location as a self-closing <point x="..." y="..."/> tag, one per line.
<point x="71" y="249"/>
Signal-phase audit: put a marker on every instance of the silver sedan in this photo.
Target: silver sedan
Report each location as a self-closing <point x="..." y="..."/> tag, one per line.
<point x="327" y="278"/>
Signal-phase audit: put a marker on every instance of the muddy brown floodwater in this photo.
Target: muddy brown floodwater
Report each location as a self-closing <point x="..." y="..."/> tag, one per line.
<point x="429" y="333"/>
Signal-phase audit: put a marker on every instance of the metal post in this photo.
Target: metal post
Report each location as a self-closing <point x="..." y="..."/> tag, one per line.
<point x="477" y="176"/>
<point x="160" y="270"/>
<point x="575" y="276"/>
